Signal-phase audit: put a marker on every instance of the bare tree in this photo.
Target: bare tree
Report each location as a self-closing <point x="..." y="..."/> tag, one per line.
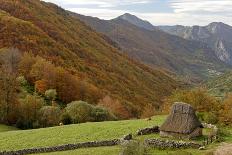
<point x="9" y="60"/>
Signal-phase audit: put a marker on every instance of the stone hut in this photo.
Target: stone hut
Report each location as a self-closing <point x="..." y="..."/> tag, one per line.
<point x="181" y="123"/>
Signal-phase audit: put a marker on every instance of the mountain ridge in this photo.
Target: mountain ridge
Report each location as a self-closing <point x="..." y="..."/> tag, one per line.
<point x="49" y="31"/>
<point x="136" y="21"/>
<point x="157" y="48"/>
<point x="216" y="35"/>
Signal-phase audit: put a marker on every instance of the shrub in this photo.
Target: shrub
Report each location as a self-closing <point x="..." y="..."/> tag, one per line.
<point x="51" y="94"/>
<point x="210" y="118"/>
<point x="79" y="111"/>
<point x="49" y="116"/>
<point x="66" y="119"/>
<point x="198" y="98"/>
<point x="133" y="148"/>
<point x="29" y="112"/>
<point x="101" y="114"/>
<point x="116" y="107"/>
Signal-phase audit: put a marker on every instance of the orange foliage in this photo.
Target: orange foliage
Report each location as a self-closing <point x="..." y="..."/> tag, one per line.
<point x="41" y="86"/>
<point x="226" y="111"/>
<point x="115" y="107"/>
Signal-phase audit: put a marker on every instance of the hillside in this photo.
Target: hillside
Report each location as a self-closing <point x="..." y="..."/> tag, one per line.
<point x="25" y="139"/>
<point x="221" y="85"/>
<point x="157" y="48"/>
<point x="137" y="21"/>
<point x="50" y="32"/>
<point x="216" y="35"/>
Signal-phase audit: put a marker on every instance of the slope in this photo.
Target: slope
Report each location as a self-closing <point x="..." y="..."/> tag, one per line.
<point x="49" y="31"/>
<point x="220" y="85"/>
<point x="190" y="59"/>
<point x="216" y="35"/>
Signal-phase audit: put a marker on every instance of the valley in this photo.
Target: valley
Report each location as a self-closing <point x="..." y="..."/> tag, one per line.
<point x="73" y="83"/>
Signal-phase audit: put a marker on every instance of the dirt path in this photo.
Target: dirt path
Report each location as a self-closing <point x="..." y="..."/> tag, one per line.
<point x="224" y="149"/>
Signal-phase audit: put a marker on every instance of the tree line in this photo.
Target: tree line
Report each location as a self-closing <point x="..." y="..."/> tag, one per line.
<point x="36" y="93"/>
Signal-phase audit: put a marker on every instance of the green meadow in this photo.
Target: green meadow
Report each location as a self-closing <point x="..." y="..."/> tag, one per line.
<point x="13" y="139"/>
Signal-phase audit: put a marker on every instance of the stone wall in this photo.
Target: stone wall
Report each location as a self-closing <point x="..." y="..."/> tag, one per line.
<point x="170" y="144"/>
<point x="147" y="131"/>
<point x="63" y="147"/>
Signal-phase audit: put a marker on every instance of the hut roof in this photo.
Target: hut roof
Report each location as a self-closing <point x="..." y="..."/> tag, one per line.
<point x="182" y="119"/>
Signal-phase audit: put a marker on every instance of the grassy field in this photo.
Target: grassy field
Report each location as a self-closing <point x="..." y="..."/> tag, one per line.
<point x="5" y="128"/>
<point x="14" y="140"/>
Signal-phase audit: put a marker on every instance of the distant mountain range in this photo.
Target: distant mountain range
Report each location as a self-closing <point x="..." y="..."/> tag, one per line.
<point x="217" y="36"/>
<point x="141" y="40"/>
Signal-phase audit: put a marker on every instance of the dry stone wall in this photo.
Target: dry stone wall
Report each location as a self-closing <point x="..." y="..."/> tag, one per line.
<point x="147" y="131"/>
<point x="170" y="144"/>
<point x="63" y="147"/>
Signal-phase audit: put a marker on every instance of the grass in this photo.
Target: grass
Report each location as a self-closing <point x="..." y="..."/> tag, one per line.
<point x="15" y="140"/>
<point x="21" y="139"/>
<point x="5" y="128"/>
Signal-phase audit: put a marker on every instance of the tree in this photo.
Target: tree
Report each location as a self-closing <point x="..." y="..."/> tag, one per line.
<point x="198" y="98"/>
<point x="79" y="111"/>
<point x="29" y="112"/>
<point x="41" y="86"/>
<point x="50" y="116"/>
<point x="100" y="114"/>
<point x="226" y="111"/>
<point x="115" y="107"/>
<point x="9" y="60"/>
<point x="51" y="94"/>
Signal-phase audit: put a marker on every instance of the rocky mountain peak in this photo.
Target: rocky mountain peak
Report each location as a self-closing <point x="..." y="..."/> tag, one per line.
<point x="136" y="21"/>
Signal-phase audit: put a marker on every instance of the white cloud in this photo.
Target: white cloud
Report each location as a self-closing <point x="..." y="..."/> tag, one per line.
<point x="100" y="3"/>
<point x="185" y="12"/>
<point x="210" y="6"/>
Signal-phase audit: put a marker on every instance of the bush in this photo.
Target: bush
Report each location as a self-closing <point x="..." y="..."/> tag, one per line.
<point x="66" y="119"/>
<point x="51" y="94"/>
<point x="79" y="111"/>
<point x="200" y="116"/>
<point x="100" y="114"/>
<point x="49" y="116"/>
<point x="198" y="98"/>
<point x="29" y="112"/>
<point x="133" y="148"/>
<point x="210" y="118"/>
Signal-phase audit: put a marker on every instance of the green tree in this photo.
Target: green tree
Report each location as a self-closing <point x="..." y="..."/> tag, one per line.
<point x="50" y="116"/>
<point x="79" y="111"/>
<point x="51" y="94"/>
<point x="29" y="112"/>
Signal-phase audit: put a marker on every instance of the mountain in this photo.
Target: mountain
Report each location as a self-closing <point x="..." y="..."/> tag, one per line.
<point x="136" y="21"/>
<point x="220" y="85"/>
<point x="216" y="35"/>
<point x="190" y="59"/>
<point x="49" y="31"/>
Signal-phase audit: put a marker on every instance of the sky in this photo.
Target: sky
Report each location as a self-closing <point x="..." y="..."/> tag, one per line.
<point x="158" y="12"/>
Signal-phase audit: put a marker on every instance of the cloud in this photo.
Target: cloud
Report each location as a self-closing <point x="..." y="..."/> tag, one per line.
<point x="100" y="3"/>
<point x="199" y="6"/>
<point x="183" y="12"/>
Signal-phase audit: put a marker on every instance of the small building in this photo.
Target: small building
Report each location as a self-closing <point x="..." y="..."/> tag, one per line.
<point x="181" y="123"/>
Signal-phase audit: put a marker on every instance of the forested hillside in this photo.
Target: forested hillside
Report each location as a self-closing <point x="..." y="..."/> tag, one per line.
<point x="62" y="53"/>
<point x="189" y="59"/>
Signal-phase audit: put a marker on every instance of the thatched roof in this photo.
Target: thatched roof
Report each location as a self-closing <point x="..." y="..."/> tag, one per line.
<point x="182" y="119"/>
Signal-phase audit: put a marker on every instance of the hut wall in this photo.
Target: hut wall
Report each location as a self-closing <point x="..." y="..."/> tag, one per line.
<point x="197" y="132"/>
